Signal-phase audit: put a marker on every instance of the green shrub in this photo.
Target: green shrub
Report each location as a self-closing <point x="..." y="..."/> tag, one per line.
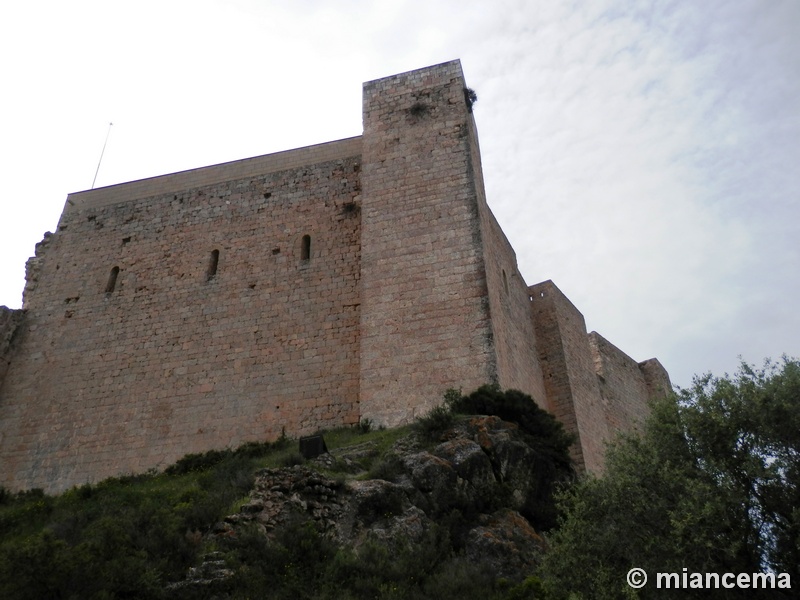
<point x="552" y="466"/>
<point x="197" y="462"/>
<point x="388" y="468"/>
<point x="432" y="425"/>
<point x="302" y="563"/>
<point x="259" y="449"/>
<point x="451" y="397"/>
<point x="124" y="537"/>
<point x="193" y="463"/>
<point x="459" y="578"/>
<point x="292" y="459"/>
<point x="115" y="544"/>
<point x="544" y="432"/>
<point x="291" y="566"/>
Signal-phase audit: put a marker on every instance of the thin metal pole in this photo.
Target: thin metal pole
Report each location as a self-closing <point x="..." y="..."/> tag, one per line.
<point x="101" y="155"/>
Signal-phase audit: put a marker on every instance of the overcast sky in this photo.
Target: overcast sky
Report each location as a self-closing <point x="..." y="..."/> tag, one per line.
<point x="644" y="155"/>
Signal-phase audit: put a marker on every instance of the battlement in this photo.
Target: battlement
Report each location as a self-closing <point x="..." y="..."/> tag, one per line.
<point x="281" y="294"/>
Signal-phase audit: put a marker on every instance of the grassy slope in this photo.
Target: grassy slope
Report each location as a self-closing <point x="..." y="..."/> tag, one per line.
<point x="129" y="537"/>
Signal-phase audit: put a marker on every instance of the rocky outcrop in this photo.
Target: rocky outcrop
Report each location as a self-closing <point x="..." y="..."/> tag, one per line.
<point x="481" y="467"/>
<point x="201" y="581"/>
<point x="505" y="542"/>
<point x="281" y="496"/>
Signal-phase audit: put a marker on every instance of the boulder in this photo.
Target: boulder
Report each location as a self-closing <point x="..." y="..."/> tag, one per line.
<point x="505" y="542"/>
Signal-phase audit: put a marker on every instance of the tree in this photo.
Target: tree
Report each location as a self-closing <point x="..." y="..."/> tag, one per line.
<point x="712" y="485"/>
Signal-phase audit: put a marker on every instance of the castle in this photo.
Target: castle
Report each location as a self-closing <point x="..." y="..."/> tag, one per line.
<point x="312" y="288"/>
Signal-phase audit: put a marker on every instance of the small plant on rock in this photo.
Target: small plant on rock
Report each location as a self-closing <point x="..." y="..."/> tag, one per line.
<point x="436" y="422"/>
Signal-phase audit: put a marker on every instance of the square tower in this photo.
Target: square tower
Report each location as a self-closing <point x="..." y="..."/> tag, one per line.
<point x="425" y="322"/>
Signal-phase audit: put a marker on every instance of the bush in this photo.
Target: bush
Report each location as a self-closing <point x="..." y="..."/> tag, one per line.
<point x="194" y="463"/>
<point x="124" y="537"/>
<point x="291" y="566"/>
<point x="114" y="544"/>
<point x="388" y="468"/>
<point x="436" y="422"/>
<point x="552" y="465"/>
<point x="711" y="483"/>
<point x="197" y="462"/>
<point x="260" y="449"/>
<point x="292" y="459"/>
<point x="542" y="431"/>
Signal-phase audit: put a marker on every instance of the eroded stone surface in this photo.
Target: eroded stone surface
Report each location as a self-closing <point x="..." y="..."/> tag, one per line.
<point x="474" y="470"/>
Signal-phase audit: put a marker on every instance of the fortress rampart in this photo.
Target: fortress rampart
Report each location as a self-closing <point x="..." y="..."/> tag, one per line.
<point x="290" y="292"/>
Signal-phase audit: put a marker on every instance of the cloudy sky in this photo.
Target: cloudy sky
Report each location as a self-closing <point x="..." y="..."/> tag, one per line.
<point x="644" y="155"/>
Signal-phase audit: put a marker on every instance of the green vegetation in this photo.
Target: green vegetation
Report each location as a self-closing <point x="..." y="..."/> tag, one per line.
<point x="712" y="485"/>
<point x="124" y="537"/>
<point x="541" y="429"/>
<point x="542" y="432"/>
<point x="300" y="563"/>
<point x="127" y="537"/>
<point x="130" y="537"/>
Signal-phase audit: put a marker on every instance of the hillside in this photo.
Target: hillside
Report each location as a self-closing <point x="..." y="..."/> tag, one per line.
<point x="450" y="506"/>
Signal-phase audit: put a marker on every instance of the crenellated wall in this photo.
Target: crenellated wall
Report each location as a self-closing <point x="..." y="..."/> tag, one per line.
<point x="290" y="292"/>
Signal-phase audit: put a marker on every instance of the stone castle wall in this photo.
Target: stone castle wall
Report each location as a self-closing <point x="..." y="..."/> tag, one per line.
<point x="290" y="292"/>
<point x="516" y="354"/>
<point x="569" y="376"/>
<point x="622" y="383"/>
<point x="9" y="321"/>
<point x="171" y="357"/>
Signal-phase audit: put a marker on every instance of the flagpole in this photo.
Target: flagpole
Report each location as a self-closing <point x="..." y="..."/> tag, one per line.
<point x="101" y="155"/>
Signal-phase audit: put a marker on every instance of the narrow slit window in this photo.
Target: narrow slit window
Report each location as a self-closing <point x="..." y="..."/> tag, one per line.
<point x="112" y="280"/>
<point x="505" y="282"/>
<point x="213" y="262"/>
<point x="305" y="249"/>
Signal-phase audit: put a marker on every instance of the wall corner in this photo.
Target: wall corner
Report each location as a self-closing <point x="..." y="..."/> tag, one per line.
<point x="656" y="378"/>
<point x="572" y="388"/>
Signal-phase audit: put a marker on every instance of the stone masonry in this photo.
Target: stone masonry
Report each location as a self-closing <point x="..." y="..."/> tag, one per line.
<point x="291" y="292"/>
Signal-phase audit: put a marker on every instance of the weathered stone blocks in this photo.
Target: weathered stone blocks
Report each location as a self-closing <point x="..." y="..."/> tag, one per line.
<point x="290" y="292"/>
